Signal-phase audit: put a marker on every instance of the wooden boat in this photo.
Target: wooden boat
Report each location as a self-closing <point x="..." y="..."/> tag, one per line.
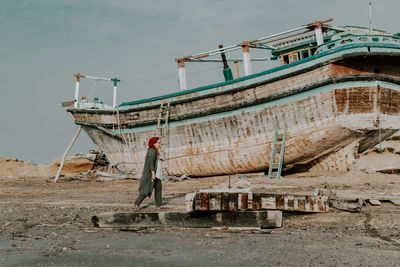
<point x="336" y="86"/>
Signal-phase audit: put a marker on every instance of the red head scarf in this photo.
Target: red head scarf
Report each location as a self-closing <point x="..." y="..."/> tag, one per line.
<point x="152" y="141"/>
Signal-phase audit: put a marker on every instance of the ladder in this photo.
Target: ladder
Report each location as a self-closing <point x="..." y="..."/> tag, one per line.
<point x="277" y="151"/>
<point x="162" y="128"/>
<point x="162" y="122"/>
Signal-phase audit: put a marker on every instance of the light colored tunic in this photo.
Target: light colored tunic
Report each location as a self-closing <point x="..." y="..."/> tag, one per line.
<point x="159" y="168"/>
<point x="150" y="164"/>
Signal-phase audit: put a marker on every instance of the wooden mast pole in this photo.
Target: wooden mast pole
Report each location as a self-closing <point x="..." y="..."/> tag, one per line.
<point x="237" y="74"/>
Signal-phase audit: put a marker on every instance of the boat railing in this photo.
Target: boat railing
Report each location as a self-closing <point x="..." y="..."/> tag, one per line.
<point x="358" y="39"/>
<point x="84" y="104"/>
<point x="93" y="105"/>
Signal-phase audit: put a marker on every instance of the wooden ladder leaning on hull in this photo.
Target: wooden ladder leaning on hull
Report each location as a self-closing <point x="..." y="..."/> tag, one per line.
<point x="278" y="147"/>
<point x="163" y="129"/>
<point x="162" y="122"/>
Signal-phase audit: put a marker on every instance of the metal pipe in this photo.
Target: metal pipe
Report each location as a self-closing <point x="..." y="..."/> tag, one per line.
<point x="97" y="78"/>
<point x="215" y="51"/>
<point x="219" y="51"/>
<point x="318" y="36"/>
<point x="223" y="57"/>
<point x="76" y="97"/>
<point x="282" y="38"/>
<point x="114" y="97"/>
<point x="246" y="60"/>
<point x="370" y="18"/>
<point x="115" y="80"/>
<point x="182" y="75"/>
<point x="282" y="33"/>
<point x="76" y="94"/>
<point x="235" y="47"/>
<point x="229" y="60"/>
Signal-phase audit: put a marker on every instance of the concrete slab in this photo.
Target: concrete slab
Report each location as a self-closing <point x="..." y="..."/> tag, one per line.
<point x="203" y="219"/>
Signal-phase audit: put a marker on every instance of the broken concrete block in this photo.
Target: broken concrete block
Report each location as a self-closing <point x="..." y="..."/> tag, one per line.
<point x="199" y="219"/>
<point x="374" y="202"/>
<point x="395" y="202"/>
<point x="345" y="205"/>
<point x="189" y="198"/>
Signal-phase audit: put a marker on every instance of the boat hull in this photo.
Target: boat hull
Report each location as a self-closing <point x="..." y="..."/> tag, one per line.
<point x="324" y="105"/>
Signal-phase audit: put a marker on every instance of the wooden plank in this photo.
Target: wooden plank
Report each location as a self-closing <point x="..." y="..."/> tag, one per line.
<point x="198" y="219"/>
<point x="345" y="205"/>
<point x="231" y="201"/>
<point x="189" y="201"/>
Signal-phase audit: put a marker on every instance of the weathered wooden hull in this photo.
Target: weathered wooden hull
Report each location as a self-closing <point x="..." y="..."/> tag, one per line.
<point x="325" y="104"/>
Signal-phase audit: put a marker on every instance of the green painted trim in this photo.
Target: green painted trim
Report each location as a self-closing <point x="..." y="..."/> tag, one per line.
<point x="318" y="58"/>
<point x="269" y="104"/>
<point x="115" y="80"/>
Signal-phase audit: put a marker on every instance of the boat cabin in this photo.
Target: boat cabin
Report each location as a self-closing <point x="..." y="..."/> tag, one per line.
<point x="296" y="48"/>
<point x="296" y="55"/>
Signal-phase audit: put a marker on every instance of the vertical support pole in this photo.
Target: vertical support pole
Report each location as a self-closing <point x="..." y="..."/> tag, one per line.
<point x="115" y="80"/>
<point x="237" y="74"/>
<point x="182" y="74"/>
<point x="370" y="18"/>
<point x="246" y="60"/>
<point x="226" y="71"/>
<point x="318" y="35"/>
<point x="78" y="80"/>
<point x="317" y="26"/>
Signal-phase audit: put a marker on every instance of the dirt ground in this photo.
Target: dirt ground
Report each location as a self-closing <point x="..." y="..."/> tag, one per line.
<point x="47" y="223"/>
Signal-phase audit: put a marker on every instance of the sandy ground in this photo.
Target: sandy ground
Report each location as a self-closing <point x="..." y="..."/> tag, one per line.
<point x="44" y="223"/>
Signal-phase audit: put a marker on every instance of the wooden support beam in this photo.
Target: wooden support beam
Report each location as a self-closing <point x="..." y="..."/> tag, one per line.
<point x="65" y="154"/>
<point x="237" y="74"/>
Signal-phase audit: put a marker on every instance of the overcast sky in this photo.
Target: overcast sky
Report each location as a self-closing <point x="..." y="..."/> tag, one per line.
<point x="44" y="42"/>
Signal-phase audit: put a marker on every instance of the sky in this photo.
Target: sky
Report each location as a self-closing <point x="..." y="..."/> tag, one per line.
<point x="44" y="42"/>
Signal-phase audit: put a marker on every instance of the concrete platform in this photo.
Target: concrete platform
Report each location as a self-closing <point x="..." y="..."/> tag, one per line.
<point x="203" y="219"/>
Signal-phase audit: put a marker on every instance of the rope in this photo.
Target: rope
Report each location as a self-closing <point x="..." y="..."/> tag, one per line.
<point x="93" y="89"/>
<point x="163" y="77"/>
<point x="126" y="144"/>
